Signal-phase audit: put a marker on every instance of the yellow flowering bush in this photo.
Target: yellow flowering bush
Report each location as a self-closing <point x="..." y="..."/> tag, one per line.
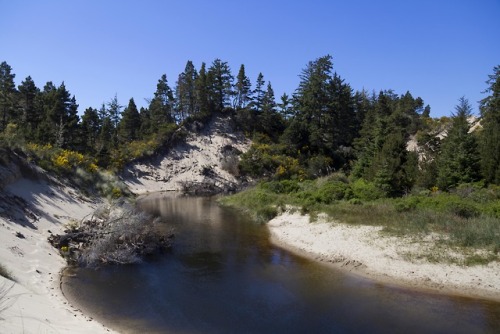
<point x="61" y="160"/>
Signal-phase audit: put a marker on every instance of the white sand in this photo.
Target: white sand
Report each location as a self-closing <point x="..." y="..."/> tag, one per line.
<point x="365" y="251"/>
<point x="36" y="303"/>
<point x="186" y="161"/>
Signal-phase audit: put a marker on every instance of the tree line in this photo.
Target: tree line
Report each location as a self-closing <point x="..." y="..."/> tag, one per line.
<point x="324" y="126"/>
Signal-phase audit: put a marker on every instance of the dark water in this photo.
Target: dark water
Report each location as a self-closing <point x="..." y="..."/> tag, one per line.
<point x="223" y="276"/>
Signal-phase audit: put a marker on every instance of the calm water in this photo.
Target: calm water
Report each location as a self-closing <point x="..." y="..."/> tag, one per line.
<point x="223" y="276"/>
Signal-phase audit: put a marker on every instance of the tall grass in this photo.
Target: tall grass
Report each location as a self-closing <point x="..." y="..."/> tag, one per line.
<point x="468" y="218"/>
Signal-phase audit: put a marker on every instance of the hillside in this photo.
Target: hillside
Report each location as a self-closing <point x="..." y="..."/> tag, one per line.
<point x="206" y="162"/>
<point x="32" y="206"/>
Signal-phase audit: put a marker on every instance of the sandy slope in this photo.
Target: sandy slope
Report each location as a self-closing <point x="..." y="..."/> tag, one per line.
<point x="187" y="161"/>
<point x="364" y="251"/>
<point x="36" y="303"/>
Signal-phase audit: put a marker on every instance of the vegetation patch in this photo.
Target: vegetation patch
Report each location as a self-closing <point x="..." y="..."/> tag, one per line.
<point x="468" y="224"/>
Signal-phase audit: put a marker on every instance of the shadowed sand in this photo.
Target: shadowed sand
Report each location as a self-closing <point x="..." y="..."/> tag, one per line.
<point x="35" y="303"/>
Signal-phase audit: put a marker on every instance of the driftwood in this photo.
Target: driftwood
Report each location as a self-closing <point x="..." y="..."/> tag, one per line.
<point x="124" y="236"/>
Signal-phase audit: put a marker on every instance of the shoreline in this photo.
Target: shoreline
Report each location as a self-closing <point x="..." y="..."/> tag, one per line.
<point x="363" y="252"/>
<point x="35" y="302"/>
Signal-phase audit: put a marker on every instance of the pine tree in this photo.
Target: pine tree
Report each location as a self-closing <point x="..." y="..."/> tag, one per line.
<point x="130" y="123"/>
<point x="258" y="95"/>
<point x="459" y="159"/>
<point x="391" y="166"/>
<point x="220" y="83"/>
<point x="31" y="113"/>
<point x="270" y="122"/>
<point x="114" y="111"/>
<point x="145" y="129"/>
<point x="490" y="136"/>
<point x="202" y="106"/>
<point x="242" y="89"/>
<point x="185" y="92"/>
<point x="285" y="107"/>
<point x="60" y="125"/>
<point x="161" y="106"/>
<point x="105" y="143"/>
<point x="7" y="95"/>
<point x="90" y="128"/>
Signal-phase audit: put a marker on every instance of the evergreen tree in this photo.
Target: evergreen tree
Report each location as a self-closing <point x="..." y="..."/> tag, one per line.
<point x="324" y="106"/>
<point x="7" y="95"/>
<point x="130" y="123"/>
<point x="429" y="148"/>
<point x="312" y="101"/>
<point x="145" y="128"/>
<point x="249" y="116"/>
<point x="161" y="106"/>
<point x="90" y="128"/>
<point x="186" y="92"/>
<point x="391" y="166"/>
<point x="114" y="111"/>
<point x="31" y="113"/>
<point x="490" y="136"/>
<point x="459" y="159"/>
<point x="242" y="89"/>
<point x="258" y="95"/>
<point x="60" y="121"/>
<point x="220" y="83"/>
<point x="270" y="122"/>
<point x="202" y="105"/>
<point x="364" y="144"/>
<point x="105" y="142"/>
<point x="389" y="120"/>
<point x="285" y="107"/>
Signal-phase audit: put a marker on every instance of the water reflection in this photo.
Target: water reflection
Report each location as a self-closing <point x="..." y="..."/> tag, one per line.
<point x="223" y="276"/>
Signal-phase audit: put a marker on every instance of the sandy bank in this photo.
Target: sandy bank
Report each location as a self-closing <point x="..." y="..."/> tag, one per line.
<point x="363" y="250"/>
<point x="30" y="211"/>
<point x="205" y="157"/>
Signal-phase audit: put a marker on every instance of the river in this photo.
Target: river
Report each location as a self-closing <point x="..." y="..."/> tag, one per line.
<point x="224" y="276"/>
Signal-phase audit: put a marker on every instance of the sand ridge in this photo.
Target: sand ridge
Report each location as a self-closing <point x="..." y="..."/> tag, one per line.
<point x="363" y="250"/>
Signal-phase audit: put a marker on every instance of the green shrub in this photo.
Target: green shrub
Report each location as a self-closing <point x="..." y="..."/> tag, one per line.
<point x="463" y="209"/>
<point x="406" y="204"/>
<point x="493" y="209"/>
<point x="331" y="191"/>
<point x="366" y="191"/>
<point x="281" y="187"/>
<point x="258" y="203"/>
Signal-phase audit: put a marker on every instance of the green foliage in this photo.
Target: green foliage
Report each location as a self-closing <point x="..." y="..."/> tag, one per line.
<point x="332" y="191"/>
<point x="489" y="139"/>
<point x="366" y="191"/>
<point x="267" y="160"/>
<point x="281" y="187"/>
<point x="468" y="218"/>
<point x="459" y="158"/>
<point x="260" y="204"/>
<point x="60" y="161"/>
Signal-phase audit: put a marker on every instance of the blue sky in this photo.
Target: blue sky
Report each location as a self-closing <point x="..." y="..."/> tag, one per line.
<point x="439" y="50"/>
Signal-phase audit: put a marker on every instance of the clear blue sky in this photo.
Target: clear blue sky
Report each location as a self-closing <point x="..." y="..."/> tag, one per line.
<point x="439" y="50"/>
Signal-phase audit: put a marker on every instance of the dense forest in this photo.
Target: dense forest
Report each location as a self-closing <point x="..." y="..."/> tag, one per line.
<point x="324" y="126"/>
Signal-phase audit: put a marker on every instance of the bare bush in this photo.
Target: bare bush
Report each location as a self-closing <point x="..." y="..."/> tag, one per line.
<point x="119" y="234"/>
<point x="230" y="164"/>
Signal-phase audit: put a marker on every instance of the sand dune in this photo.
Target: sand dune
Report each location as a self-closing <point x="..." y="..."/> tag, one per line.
<point x="364" y="251"/>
